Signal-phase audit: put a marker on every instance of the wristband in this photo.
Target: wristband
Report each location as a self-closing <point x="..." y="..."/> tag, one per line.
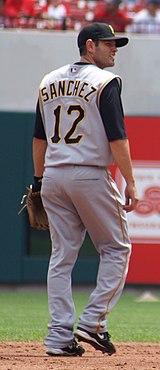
<point x="37" y="184"/>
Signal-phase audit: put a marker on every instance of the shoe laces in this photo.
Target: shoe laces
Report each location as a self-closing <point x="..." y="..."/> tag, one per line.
<point x="74" y="344"/>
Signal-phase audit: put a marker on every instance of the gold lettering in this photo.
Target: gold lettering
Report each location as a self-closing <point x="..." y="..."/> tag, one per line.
<point x="53" y="91"/>
<point x="44" y="94"/>
<point x="93" y="90"/>
<point x="68" y="88"/>
<point x="61" y="88"/>
<point x="76" y="86"/>
<point x="82" y="89"/>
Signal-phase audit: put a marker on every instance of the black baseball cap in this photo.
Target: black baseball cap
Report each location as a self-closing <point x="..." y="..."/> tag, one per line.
<point x="99" y="31"/>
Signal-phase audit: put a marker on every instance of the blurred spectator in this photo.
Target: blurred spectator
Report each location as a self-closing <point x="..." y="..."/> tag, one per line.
<point x="56" y="9"/>
<point x="1" y="10"/>
<point x="16" y="8"/>
<point x="25" y="13"/>
<point x="147" y="20"/>
<point x="22" y="13"/>
<point x="139" y="5"/>
<point x="132" y="6"/>
<point x="1" y="14"/>
<point x="110" y="12"/>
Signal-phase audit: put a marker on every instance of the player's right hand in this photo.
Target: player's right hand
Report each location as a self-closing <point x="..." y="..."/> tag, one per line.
<point x="131" y="197"/>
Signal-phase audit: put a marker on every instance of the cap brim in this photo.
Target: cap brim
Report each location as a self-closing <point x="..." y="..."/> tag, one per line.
<point x="120" y="41"/>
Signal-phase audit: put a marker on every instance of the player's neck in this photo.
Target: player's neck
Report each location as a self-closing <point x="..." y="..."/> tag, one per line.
<point x="86" y="60"/>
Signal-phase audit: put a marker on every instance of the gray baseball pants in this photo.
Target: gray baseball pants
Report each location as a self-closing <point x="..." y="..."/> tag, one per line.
<point x="76" y="199"/>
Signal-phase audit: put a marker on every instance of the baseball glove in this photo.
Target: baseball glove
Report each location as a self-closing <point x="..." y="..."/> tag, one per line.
<point x="36" y="212"/>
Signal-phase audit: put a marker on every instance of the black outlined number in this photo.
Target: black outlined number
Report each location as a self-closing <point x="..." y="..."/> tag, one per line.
<point x="57" y="113"/>
<point x="68" y="137"/>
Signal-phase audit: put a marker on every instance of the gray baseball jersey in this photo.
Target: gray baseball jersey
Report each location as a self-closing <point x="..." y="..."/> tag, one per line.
<point x="74" y="131"/>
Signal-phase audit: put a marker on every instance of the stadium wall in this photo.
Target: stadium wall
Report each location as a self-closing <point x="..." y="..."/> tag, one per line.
<point x="26" y="56"/>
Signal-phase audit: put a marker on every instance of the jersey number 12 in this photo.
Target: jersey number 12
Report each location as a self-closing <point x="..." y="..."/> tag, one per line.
<point x="68" y="138"/>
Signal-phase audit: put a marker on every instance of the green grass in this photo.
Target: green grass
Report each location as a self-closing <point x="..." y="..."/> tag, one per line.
<point x="133" y="321"/>
<point x="24" y="317"/>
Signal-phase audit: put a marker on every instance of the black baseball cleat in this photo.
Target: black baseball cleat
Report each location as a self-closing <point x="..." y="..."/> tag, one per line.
<point x="73" y="350"/>
<point x="99" y="341"/>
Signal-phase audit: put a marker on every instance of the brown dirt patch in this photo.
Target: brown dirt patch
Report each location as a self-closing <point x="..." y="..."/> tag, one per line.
<point x="31" y="356"/>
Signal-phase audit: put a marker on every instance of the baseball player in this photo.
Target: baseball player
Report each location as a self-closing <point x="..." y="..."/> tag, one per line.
<point x="79" y="132"/>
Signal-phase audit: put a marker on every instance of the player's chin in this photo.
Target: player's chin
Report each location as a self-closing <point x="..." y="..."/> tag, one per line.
<point x="108" y="66"/>
<point x="112" y="62"/>
<point x="109" y="63"/>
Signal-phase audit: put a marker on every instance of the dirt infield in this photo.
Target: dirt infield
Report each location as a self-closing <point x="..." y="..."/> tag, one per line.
<point x="31" y="356"/>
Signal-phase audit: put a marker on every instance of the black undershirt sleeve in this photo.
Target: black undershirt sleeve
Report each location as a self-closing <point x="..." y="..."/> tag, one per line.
<point x="39" y="131"/>
<point x="111" y="111"/>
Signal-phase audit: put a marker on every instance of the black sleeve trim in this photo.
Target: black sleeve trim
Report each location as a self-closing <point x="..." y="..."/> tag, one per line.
<point x="39" y="131"/>
<point x="111" y="111"/>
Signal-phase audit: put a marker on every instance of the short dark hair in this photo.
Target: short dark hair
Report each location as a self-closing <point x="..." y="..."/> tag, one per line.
<point x="83" y="49"/>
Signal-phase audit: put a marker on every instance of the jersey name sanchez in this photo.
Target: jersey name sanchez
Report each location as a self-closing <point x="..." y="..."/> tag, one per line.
<point x="69" y="106"/>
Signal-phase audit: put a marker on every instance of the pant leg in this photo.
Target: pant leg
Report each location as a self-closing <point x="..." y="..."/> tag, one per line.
<point x="108" y="289"/>
<point x="67" y="235"/>
<point x="100" y="208"/>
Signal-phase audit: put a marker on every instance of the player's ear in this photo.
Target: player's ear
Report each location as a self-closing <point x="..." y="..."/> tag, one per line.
<point x="90" y="45"/>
